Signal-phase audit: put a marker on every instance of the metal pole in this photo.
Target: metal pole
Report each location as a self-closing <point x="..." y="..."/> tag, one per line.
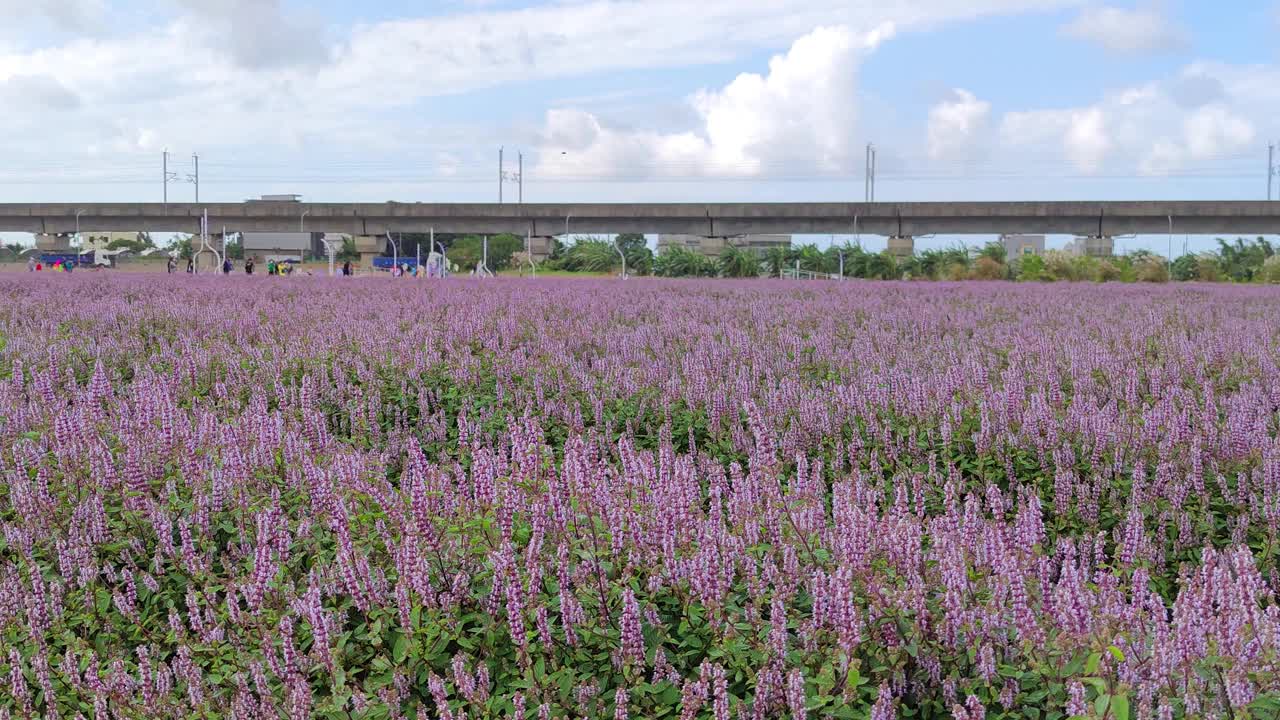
<point x="1171" y="243"/>
<point x="873" y="173"/>
<point x="417" y="254"/>
<point x="484" y="262"/>
<point x="196" y="159"/>
<point x="1271" y="167"/>
<point x="166" y="181"/>
<point x="433" y="247"/>
<point x="621" y="255"/>
<point x="528" y="250"/>
<point x="501" y="172"/>
<point x="520" y="176"/>
<point x="302" y="221"/>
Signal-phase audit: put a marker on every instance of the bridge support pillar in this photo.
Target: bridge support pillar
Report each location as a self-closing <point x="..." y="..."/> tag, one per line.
<point x="369" y="247"/>
<point x="902" y="247"/>
<point x="53" y="242"/>
<point x="1104" y="246"/>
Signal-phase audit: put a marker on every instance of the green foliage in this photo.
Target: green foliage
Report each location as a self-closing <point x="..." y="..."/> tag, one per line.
<point x="1030" y="268"/>
<point x="738" y="262"/>
<point x="1185" y="268"/>
<point x="682" y="262"/>
<point x="993" y="250"/>
<point x="1242" y="261"/>
<point x="182" y="244"/>
<point x="468" y="251"/>
<point x="348" y="253"/>
<point x="591" y="255"/>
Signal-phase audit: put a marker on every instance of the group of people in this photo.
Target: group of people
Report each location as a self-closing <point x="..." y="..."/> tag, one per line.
<point x="34" y="265"/>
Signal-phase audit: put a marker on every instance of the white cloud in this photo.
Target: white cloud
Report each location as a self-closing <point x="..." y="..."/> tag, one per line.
<point x="1155" y="129"/>
<point x="1120" y="30"/>
<point x="258" y="34"/>
<point x="38" y="91"/>
<point x="69" y="14"/>
<point x="957" y="126"/>
<point x="801" y="114"/>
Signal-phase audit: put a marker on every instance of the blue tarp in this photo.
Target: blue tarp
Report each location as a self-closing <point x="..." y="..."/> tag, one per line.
<point x="48" y="259"/>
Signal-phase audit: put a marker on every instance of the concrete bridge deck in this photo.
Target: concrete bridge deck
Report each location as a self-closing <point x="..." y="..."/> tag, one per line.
<point x="707" y="219"/>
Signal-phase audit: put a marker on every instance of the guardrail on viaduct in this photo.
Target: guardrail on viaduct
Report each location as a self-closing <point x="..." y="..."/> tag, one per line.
<point x="708" y="219"/>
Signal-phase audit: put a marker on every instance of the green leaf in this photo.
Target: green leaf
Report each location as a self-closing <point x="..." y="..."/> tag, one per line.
<point x="1091" y="665"/>
<point x="1116" y="653"/>
<point x="399" y="648"/>
<point x="1120" y="707"/>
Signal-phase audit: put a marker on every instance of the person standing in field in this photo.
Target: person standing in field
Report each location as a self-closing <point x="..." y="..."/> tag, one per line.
<point x="248" y="266"/>
<point x="31" y="264"/>
<point x="226" y="266"/>
<point x="171" y="265"/>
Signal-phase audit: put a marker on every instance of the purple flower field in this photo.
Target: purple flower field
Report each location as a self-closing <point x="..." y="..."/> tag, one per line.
<point x="264" y="498"/>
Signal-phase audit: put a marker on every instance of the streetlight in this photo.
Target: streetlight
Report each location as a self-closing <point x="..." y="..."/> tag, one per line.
<point x="621" y="255"/>
<point x="395" y="254"/>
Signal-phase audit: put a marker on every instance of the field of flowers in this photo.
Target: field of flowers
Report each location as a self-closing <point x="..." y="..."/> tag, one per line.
<point x="299" y="498"/>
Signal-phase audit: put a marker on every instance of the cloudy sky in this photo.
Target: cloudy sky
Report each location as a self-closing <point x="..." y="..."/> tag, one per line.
<point x="638" y="99"/>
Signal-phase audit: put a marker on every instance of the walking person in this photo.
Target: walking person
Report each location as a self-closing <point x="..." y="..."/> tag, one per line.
<point x="248" y="266"/>
<point x="172" y="265"/>
<point x="226" y="266"/>
<point x="346" y="268"/>
<point x="191" y="266"/>
<point x="31" y="264"/>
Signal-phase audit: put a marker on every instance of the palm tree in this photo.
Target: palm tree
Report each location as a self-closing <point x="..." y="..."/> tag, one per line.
<point x="738" y="262"/>
<point x="775" y="259"/>
<point x="994" y="250"/>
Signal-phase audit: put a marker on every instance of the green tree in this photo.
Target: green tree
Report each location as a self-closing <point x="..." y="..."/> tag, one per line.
<point x="775" y="259"/>
<point x="181" y="244"/>
<point x="736" y="262"/>
<point x="592" y="255"/>
<point x="1185" y="268"/>
<point x="468" y="251"/>
<point x="1030" y="268"/>
<point x="348" y="253"/>
<point x="1242" y="260"/>
<point x="994" y="250"/>
<point x="682" y="262"/>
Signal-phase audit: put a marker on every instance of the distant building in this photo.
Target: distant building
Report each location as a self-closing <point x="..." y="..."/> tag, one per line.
<point x="1016" y="246"/>
<point x="103" y="240"/>
<point x="713" y="246"/>
<point x="282" y="246"/>
<point x="1091" y="246"/>
<point x="277" y="198"/>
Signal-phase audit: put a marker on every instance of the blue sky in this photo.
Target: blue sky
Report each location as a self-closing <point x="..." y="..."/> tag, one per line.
<point x="613" y="100"/>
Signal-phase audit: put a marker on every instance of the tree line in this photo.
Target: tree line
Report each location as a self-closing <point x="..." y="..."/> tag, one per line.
<point x="1238" y="260"/>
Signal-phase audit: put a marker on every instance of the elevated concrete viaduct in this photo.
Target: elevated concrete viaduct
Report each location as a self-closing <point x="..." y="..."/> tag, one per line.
<point x="899" y="220"/>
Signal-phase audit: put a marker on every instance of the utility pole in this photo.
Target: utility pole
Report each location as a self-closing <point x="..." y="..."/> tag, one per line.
<point x="870" y="181"/>
<point x="1271" y="167"/>
<point x="195" y="158"/>
<point x="166" y="178"/>
<point x="520" y="176"/>
<point x="501" y="175"/>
